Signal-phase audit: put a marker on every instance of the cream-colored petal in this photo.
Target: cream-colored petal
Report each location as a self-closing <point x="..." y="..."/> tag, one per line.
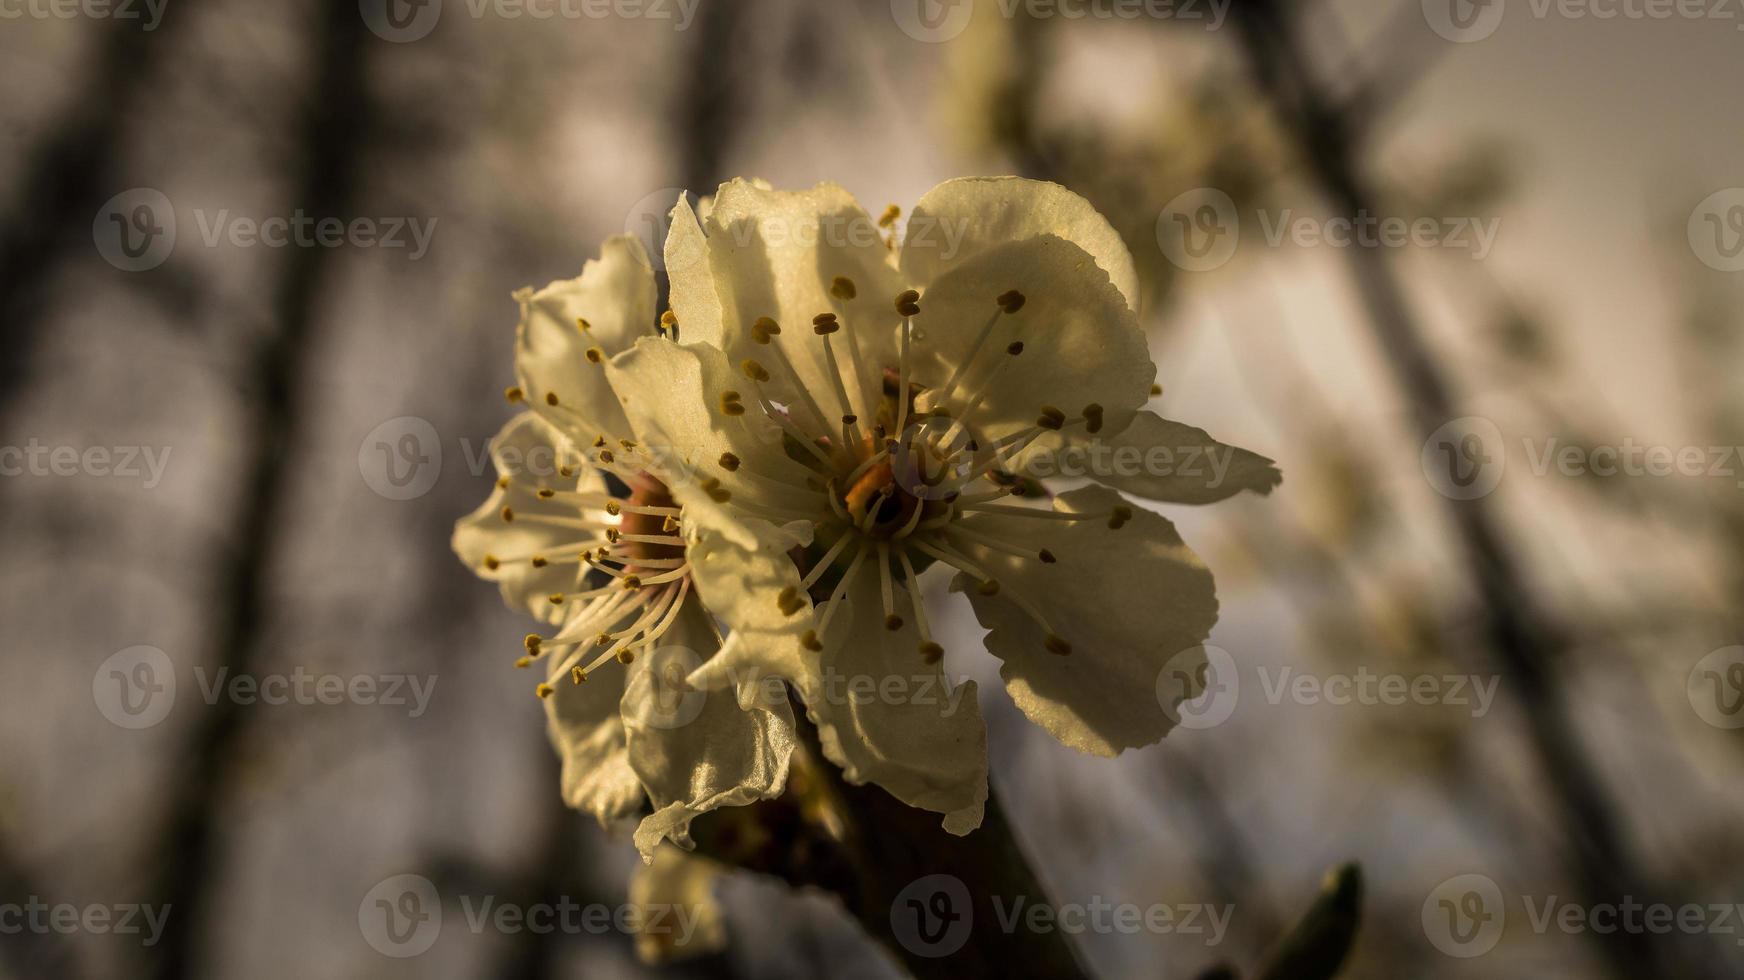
<point x="1155" y="458"/>
<point x="778" y="254"/>
<point x="886" y="716"/>
<point x="587" y="730"/>
<point x="925" y="743"/>
<point x="1129" y="601"/>
<point x="673" y="394"/>
<point x="1081" y="343"/>
<point x="963" y="217"/>
<point x="693" y="748"/>
<point x="615" y="295"/>
<point x="678" y="915"/>
<point x="694" y="297"/>
<point x="532" y="455"/>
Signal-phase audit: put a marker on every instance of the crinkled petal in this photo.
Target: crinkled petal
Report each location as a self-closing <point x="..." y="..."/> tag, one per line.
<point x="1155" y="458"/>
<point x="961" y="218"/>
<point x="1129" y="601"/>
<point x="679" y="916"/>
<point x="587" y="730"/>
<point x="886" y="716"/>
<point x="1082" y="345"/>
<point x="615" y="295"/>
<point x="696" y="749"/>
<point x="532" y="455"/>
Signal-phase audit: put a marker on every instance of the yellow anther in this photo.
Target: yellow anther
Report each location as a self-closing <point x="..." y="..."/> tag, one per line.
<point x="582" y="324"/>
<point x="670" y="524"/>
<point x="595" y="355"/>
<point x="538" y="561"/>
<point x="532" y="641"/>
<point x="551" y="398"/>
<point x="1118" y="517"/>
<point x="577" y="675"/>
<point x="1057" y="645"/>
<point x="763" y="329"/>
<point x="606" y="457"/>
<point x="628" y="444"/>
<point x="544" y="691"/>
<point x="546" y="493"/>
<point x="1093" y="418"/>
<point x="989" y="587"/>
<point x="825" y="324"/>
<point x="612" y="535"/>
<point x="789" y="601"/>
<point x="893" y="622"/>
<point x="599" y="442"/>
<point x="753" y="370"/>
<point x="1046" y="556"/>
<point x="555" y="598"/>
<point x="508" y="514"/>
<point x="716" y="492"/>
<point x="1156" y="391"/>
<point x="502" y="483"/>
<point x="729" y="462"/>
<point x="566" y="470"/>
<point x="842" y="288"/>
<point x="614" y="508"/>
<point x="1014" y="348"/>
<point x="730" y="403"/>
<point x="931" y="652"/>
<point x="908" y="302"/>
<point x="491" y="562"/>
<point x="603" y="640"/>
<point x="524" y="662"/>
<point x="809" y="640"/>
<point x="626" y="656"/>
<point x="1010" y="301"/>
<point x="1051" y="418"/>
<point x="514" y="394"/>
<point x="888" y="218"/>
<point x="668" y="320"/>
<point x="850" y="419"/>
<point x="632" y="583"/>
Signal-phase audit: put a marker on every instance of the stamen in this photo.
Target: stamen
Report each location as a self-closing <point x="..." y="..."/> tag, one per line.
<point x="825" y="562"/>
<point x="841" y="590"/>
<point x="892" y="622"/>
<point x="762" y="331"/>
<point x="514" y="395"/>
<point x="931" y="652"/>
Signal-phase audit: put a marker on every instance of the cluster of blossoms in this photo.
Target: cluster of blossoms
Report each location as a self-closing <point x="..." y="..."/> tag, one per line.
<point x="737" y="497"/>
